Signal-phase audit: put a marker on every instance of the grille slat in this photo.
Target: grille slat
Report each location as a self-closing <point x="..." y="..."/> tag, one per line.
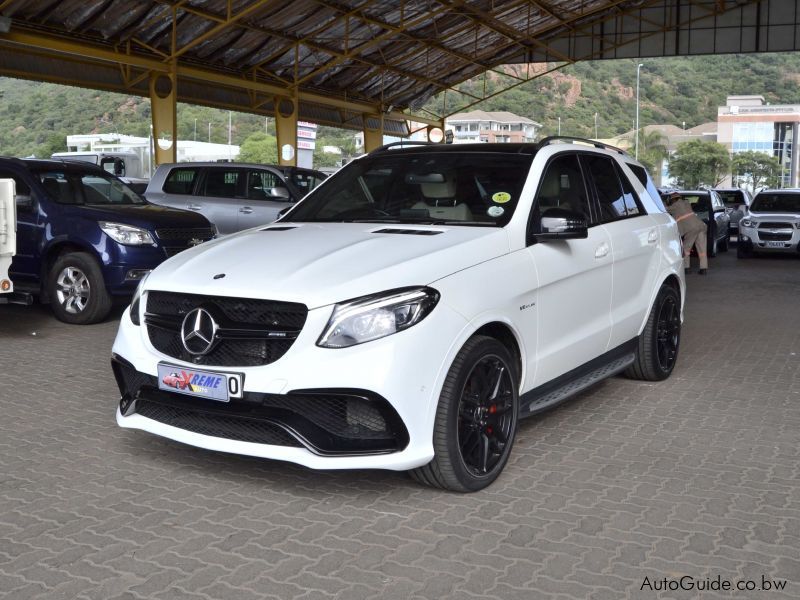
<point x="228" y="427"/>
<point x="243" y="313"/>
<point x="185" y="234"/>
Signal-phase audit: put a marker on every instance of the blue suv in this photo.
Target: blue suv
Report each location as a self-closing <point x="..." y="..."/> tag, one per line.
<point x="84" y="237"/>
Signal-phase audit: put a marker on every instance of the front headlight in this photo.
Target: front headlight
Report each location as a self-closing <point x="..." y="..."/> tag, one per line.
<point x="126" y="234"/>
<point x="372" y="317"/>
<point x="137" y="296"/>
<point x="747" y="223"/>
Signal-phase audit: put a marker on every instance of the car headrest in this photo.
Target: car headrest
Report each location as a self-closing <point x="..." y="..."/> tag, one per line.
<point x="444" y="189"/>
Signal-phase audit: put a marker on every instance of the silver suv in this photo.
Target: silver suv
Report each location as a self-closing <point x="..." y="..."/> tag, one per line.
<point x="772" y="225"/>
<point x="233" y="196"/>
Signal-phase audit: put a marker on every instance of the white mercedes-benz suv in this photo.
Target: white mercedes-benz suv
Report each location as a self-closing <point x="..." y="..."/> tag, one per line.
<point x="410" y="310"/>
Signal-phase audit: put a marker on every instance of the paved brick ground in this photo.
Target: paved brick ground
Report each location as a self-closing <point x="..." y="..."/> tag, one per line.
<point x="698" y="476"/>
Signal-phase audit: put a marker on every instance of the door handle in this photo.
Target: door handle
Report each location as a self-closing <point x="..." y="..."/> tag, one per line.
<point x="652" y="236"/>
<point x="246" y="210"/>
<point x="602" y="250"/>
<point x="194" y="207"/>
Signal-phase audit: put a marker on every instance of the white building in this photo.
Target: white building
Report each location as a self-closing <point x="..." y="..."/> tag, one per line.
<point x="482" y="126"/>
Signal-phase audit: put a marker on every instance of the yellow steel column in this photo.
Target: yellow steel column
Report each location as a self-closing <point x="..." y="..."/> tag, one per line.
<point x="163" y="107"/>
<point x="373" y="138"/>
<point x="286" y="130"/>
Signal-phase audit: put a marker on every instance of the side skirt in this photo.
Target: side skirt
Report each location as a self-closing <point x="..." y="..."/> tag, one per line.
<point x="567" y="385"/>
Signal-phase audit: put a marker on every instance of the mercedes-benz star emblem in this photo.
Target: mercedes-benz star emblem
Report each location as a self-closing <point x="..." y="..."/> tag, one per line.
<point x="198" y="332"/>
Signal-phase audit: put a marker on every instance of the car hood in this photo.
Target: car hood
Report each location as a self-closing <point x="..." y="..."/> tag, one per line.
<point x="323" y="263"/>
<point x="148" y="216"/>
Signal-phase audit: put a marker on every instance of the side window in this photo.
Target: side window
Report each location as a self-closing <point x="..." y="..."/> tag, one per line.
<point x="632" y="203"/>
<point x="223" y="183"/>
<point x="562" y="186"/>
<point x="180" y="181"/>
<point x="647" y="182"/>
<point x="607" y="186"/>
<point x="21" y="189"/>
<point x="260" y="184"/>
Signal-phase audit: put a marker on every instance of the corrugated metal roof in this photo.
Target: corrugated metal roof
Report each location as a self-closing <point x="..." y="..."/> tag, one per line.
<point x="387" y="54"/>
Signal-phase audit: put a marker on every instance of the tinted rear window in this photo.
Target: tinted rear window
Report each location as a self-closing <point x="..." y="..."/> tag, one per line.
<point x="732" y="199"/>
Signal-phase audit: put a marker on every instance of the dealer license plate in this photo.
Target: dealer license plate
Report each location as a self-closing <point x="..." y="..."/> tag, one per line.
<point x="775" y="244"/>
<point x="204" y="384"/>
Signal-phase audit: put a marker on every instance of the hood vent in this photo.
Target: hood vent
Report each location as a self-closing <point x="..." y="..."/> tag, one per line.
<point x="409" y="231"/>
<point x="280" y="228"/>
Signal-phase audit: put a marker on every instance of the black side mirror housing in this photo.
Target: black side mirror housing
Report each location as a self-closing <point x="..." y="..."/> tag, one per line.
<point x="562" y="224"/>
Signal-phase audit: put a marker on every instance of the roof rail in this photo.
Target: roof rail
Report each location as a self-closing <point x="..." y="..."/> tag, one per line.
<point x="402" y="143"/>
<point x="571" y="139"/>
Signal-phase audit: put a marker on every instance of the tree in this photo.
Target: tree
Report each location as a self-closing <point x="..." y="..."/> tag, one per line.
<point x="259" y="148"/>
<point x="652" y="151"/>
<point x="697" y="163"/>
<point x="756" y="169"/>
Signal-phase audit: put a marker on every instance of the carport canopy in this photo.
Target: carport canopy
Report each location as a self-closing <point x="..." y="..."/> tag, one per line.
<point x="369" y="65"/>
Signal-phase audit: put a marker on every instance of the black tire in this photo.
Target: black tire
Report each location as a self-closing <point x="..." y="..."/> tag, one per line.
<point x="712" y="247"/>
<point x="77" y="290"/>
<point x="743" y="250"/>
<point x="468" y="413"/>
<point x="658" y="346"/>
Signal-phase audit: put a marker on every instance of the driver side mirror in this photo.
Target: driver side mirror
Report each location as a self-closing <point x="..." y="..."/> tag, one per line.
<point x="279" y="192"/>
<point x="562" y="224"/>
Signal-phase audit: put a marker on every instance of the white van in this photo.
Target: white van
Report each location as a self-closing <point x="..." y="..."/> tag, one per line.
<point x="125" y="165"/>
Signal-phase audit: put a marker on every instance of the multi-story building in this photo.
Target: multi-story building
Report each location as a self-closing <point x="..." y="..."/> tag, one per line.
<point x="482" y="126"/>
<point x="748" y="123"/>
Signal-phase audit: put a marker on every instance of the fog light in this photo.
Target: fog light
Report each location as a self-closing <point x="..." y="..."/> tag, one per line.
<point x="5" y="285"/>
<point x="745" y="238"/>
<point x="136" y="274"/>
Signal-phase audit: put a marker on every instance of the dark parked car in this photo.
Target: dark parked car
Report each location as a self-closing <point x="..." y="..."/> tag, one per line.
<point x="736" y="203"/>
<point x="709" y="207"/>
<point x="84" y="237"/>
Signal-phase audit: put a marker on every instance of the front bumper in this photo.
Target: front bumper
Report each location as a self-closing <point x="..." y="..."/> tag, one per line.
<point x="779" y="243"/>
<point x="368" y="406"/>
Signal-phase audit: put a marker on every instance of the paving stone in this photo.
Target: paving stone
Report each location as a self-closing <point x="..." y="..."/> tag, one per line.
<point x="698" y="475"/>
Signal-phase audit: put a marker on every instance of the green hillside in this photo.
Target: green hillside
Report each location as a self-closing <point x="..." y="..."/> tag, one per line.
<point x="36" y="117"/>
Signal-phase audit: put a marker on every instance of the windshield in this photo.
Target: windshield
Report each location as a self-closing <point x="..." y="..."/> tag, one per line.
<point x="764" y="202"/>
<point x="467" y="188"/>
<point x="74" y="187"/>
<point x="732" y="199"/>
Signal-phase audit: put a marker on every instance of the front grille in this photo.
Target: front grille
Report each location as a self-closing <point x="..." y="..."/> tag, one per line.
<point x="175" y="233"/>
<point x="261" y="318"/>
<point x="173" y="251"/>
<point x="216" y="425"/>
<point x="327" y="422"/>
<point x="774" y="225"/>
<point x="774" y="237"/>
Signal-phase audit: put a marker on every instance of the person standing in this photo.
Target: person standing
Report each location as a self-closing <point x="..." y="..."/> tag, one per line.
<point x="692" y="230"/>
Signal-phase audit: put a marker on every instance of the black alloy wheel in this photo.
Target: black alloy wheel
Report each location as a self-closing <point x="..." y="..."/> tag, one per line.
<point x="485" y="420"/>
<point x="659" y="342"/>
<point x="668" y="333"/>
<point x="476" y="419"/>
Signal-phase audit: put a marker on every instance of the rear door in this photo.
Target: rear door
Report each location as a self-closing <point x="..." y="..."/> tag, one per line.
<point x="634" y="244"/>
<point x="721" y="217"/>
<point x="220" y="194"/>
<point x="262" y="203"/>
<point x="574" y="295"/>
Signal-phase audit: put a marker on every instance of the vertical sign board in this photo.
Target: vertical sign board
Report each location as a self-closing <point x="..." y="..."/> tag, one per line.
<point x="8" y="232"/>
